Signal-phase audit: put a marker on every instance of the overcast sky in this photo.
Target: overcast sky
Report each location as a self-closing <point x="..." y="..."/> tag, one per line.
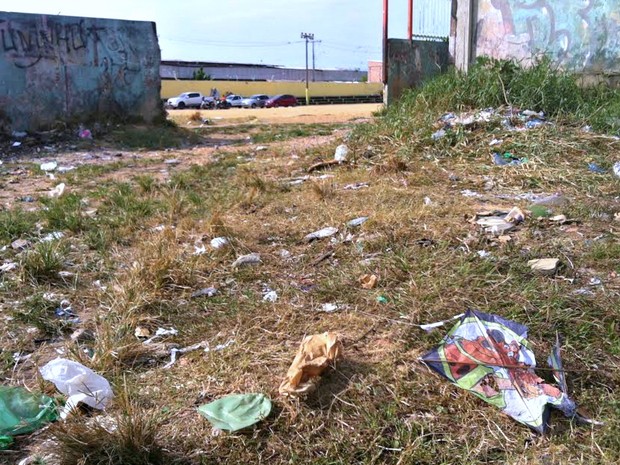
<point x="249" y="31"/>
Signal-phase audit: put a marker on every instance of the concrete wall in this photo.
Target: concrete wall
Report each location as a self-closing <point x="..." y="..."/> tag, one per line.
<point x="76" y="69"/>
<point x="580" y="35"/>
<point x="247" y="88"/>
<point x="410" y="63"/>
<point x="185" y="70"/>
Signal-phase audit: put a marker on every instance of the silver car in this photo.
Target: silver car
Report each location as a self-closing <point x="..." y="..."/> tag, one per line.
<point x="255" y="101"/>
<point x="234" y="100"/>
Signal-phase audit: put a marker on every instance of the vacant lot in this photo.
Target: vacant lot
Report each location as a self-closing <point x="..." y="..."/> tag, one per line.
<point x="139" y="212"/>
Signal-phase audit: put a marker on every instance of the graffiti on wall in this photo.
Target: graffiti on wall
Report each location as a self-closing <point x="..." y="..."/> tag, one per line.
<point x="25" y="45"/>
<point x="67" y="68"/>
<point x="578" y="34"/>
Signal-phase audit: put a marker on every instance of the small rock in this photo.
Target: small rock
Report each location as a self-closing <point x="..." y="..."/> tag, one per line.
<point x="249" y="259"/>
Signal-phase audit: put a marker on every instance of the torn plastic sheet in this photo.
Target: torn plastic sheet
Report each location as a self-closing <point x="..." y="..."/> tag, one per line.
<point x="491" y="357"/>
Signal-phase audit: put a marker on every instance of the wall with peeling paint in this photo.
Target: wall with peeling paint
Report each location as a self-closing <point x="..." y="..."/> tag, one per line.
<point x="581" y="35"/>
<point x="61" y="68"/>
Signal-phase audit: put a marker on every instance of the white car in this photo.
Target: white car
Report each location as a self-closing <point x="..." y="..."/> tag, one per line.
<point x="255" y="101"/>
<point x="185" y="100"/>
<point x="234" y="100"/>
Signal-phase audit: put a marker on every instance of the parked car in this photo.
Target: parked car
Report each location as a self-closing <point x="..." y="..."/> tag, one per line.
<point x="284" y="100"/>
<point x="185" y="100"/>
<point x="234" y="100"/>
<point x="255" y="101"/>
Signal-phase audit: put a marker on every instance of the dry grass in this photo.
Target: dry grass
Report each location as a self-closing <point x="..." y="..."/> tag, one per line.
<point x="379" y="405"/>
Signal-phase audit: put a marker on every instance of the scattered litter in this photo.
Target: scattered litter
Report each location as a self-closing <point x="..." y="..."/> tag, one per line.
<point x="329" y="308"/>
<point x="16" y="144"/>
<point x="219" y="242"/>
<point x="321" y="234"/>
<point x="85" y="134"/>
<point x="341" y="154"/>
<point x="53" y="236"/>
<point x="431" y="326"/>
<point x="357" y="222"/>
<point x="161" y="332"/>
<point x="65" y="169"/>
<point x="470" y="193"/>
<point x="19" y="134"/>
<point x="507" y="158"/>
<point x="315" y="354"/>
<point x="236" y="411"/>
<point x="596" y="168"/>
<point x="172" y="161"/>
<point x="249" y="259"/>
<point x="57" y="191"/>
<point x="27" y="198"/>
<point x="65" y="312"/>
<point x="199" y="250"/>
<point x="595" y="282"/>
<point x="22" y="412"/>
<point x="616" y="169"/>
<point x="496" y="142"/>
<point x="515" y="215"/>
<point x="496" y="225"/>
<point x="553" y="200"/>
<point x="534" y="123"/>
<point x="270" y="296"/>
<point x="20" y="244"/>
<point x="439" y="134"/>
<point x="174" y="352"/>
<point x="427" y="201"/>
<point x="78" y="382"/>
<point x="539" y="211"/>
<point x="483" y="254"/>
<point x="544" y="265"/>
<point x="49" y="166"/>
<point x="206" y="292"/>
<point x="260" y="148"/>
<point x="558" y="219"/>
<point x="382" y="299"/>
<point x="8" y="266"/>
<point x="368" y="281"/>
<point x="142" y="332"/>
<point x="357" y="186"/>
<point x="489" y="356"/>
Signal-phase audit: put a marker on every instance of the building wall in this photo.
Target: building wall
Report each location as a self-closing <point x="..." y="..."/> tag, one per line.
<point x="258" y="73"/>
<point x="375" y="71"/>
<point x="247" y="88"/>
<point x="61" y="68"/>
<point x="581" y="35"/>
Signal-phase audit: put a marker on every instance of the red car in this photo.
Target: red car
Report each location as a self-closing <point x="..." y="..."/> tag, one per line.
<point x="281" y="101"/>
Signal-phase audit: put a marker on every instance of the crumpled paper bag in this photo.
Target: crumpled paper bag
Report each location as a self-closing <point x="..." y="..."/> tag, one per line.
<point x="315" y="353"/>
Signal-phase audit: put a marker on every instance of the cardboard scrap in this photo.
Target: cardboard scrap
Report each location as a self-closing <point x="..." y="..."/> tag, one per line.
<point x="315" y="354"/>
<point x="368" y="281"/>
<point x="544" y="265"/>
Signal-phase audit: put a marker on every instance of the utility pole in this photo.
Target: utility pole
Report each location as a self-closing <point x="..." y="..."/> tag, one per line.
<point x="307" y="37"/>
<point x="313" y="67"/>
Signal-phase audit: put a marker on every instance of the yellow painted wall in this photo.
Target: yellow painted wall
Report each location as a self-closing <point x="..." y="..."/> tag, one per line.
<point x="172" y="88"/>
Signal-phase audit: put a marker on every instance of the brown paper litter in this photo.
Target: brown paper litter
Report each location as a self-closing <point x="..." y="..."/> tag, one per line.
<point x="315" y="353"/>
<point x="368" y="281"/>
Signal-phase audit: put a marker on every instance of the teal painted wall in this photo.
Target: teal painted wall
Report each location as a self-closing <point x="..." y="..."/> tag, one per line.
<point x="61" y="68"/>
<point x="581" y="35"/>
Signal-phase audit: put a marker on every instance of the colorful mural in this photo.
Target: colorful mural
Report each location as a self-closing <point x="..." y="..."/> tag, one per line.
<point x="582" y="35"/>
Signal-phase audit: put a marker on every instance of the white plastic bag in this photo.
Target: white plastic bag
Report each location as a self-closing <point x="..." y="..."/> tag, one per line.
<point x="79" y="383"/>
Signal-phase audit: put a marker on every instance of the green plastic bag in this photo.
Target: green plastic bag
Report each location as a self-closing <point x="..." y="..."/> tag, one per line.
<point x="23" y="412"/>
<point x="236" y="411"/>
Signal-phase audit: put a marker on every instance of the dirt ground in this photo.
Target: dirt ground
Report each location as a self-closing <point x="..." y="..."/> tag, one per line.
<point x="301" y="114"/>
